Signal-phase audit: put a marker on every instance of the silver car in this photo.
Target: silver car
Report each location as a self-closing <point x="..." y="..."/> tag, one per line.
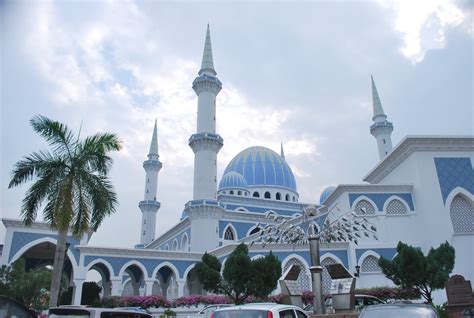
<point x="399" y="310"/>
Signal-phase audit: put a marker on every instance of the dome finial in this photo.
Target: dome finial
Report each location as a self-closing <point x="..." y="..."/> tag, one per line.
<point x="282" y="153"/>
<point x="207" y="65"/>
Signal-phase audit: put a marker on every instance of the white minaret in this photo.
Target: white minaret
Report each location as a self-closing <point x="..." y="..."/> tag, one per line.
<point x="149" y="206"/>
<point x="206" y="143"/>
<point x="381" y="129"/>
<point x="204" y="211"/>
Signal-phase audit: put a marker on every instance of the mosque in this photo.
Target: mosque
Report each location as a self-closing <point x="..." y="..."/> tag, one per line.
<point x="421" y="192"/>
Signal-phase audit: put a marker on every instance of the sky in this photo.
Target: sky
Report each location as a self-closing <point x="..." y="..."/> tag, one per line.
<point x="292" y="72"/>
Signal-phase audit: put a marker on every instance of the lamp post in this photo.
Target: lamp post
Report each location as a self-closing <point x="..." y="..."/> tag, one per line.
<point x="316" y="271"/>
<point x="347" y="227"/>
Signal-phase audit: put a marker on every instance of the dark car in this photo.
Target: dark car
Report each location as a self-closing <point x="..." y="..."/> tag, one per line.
<point x="399" y="310"/>
<point x="11" y="308"/>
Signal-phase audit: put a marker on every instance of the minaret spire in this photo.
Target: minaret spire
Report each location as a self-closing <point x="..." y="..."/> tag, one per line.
<point x="376" y="103"/>
<point x="282" y="153"/>
<point x="153" y="153"/>
<point x="207" y="65"/>
<point x="381" y="129"/>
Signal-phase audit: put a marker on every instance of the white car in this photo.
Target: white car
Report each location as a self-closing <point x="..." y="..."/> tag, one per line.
<point x="396" y="310"/>
<point x="91" y="312"/>
<point x="260" y="310"/>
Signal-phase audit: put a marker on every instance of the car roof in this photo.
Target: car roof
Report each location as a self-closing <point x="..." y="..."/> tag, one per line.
<point x="397" y="305"/>
<point x="259" y="306"/>
<point x="96" y="309"/>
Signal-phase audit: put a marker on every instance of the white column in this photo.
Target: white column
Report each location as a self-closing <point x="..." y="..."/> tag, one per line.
<point x="181" y="285"/>
<point x="116" y="286"/>
<point x="149" y="286"/>
<point x="77" y="291"/>
<point x="106" y="288"/>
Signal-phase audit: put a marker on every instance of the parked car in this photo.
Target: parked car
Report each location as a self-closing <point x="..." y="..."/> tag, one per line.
<point x="91" y="312"/>
<point x="399" y="310"/>
<point x="12" y="308"/>
<point x="260" y="310"/>
<point x="211" y="308"/>
<point x="360" y="302"/>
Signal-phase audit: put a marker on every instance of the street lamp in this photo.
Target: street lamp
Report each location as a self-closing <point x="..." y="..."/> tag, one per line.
<point x="347" y="227"/>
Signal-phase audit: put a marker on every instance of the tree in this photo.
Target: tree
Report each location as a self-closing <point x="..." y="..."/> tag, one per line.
<point x="28" y="287"/>
<point x="411" y="269"/>
<point x="241" y="277"/>
<point x="72" y="180"/>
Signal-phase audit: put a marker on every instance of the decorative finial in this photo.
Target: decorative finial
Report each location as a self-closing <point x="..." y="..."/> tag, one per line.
<point x="207" y="65"/>
<point x="376" y="103"/>
<point x="282" y="153"/>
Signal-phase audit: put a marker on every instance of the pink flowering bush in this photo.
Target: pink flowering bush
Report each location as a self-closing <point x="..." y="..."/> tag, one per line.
<point x="136" y="301"/>
<point x="196" y="300"/>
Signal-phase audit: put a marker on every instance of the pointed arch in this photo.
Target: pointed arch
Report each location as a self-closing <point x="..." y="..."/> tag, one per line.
<point x="304" y="277"/>
<point x="364" y="203"/>
<point x="184" y="242"/>
<point x="131" y="263"/>
<point x="461" y="210"/>
<point x="368" y="262"/>
<point x="164" y="264"/>
<point x="230" y="234"/>
<point x="175" y="245"/>
<point x="395" y="205"/>
<point x="46" y="239"/>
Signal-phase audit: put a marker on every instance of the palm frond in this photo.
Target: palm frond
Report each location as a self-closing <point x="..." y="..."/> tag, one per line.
<point x="58" y="135"/>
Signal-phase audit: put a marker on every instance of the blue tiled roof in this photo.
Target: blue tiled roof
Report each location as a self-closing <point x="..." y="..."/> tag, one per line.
<point x="326" y="193"/>
<point x="233" y="179"/>
<point x="454" y="172"/>
<point x="261" y="166"/>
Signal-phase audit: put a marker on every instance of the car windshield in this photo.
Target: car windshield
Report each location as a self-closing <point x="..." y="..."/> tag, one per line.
<point x="240" y="313"/>
<point x="399" y="312"/>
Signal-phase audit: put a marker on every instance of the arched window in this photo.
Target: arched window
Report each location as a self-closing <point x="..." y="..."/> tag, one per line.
<point x="231" y="192"/>
<point x="364" y="207"/>
<point x="278" y="196"/>
<point x="239" y="192"/>
<point x="267" y="195"/>
<point x="256" y="195"/>
<point x="287" y="197"/>
<point x="370" y="265"/>
<point x="175" y="245"/>
<point x="462" y="214"/>
<point x="396" y="207"/>
<point x="184" y="242"/>
<point x="229" y="234"/>
<point x="294" y="199"/>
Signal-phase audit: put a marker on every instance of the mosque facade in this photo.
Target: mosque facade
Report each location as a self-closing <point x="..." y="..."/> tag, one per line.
<point x="421" y="192"/>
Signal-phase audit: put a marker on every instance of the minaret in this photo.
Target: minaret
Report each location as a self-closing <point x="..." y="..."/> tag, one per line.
<point x="206" y="143"/>
<point x="149" y="206"/>
<point x="204" y="211"/>
<point x="381" y="129"/>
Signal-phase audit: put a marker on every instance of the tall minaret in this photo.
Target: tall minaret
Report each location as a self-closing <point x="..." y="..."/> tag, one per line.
<point x="149" y="205"/>
<point x="381" y="129"/>
<point x="204" y="211"/>
<point x="206" y="143"/>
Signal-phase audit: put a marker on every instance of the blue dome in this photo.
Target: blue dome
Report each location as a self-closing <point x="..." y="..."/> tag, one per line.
<point x="261" y="166"/>
<point x="233" y="179"/>
<point x="326" y="193"/>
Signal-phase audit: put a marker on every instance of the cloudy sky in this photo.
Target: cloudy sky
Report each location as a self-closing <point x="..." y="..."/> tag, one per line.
<point x="297" y="73"/>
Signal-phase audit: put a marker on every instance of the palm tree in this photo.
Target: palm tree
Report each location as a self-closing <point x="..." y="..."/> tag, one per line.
<point x="72" y="181"/>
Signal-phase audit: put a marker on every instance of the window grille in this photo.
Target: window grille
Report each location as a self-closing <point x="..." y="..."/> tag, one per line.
<point x="364" y="207"/>
<point x="396" y="207"/>
<point x="370" y="265"/>
<point x="229" y="234"/>
<point x="462" y="215"/>
<point x="304" y="280"/>
<point x="326" y="278"/>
